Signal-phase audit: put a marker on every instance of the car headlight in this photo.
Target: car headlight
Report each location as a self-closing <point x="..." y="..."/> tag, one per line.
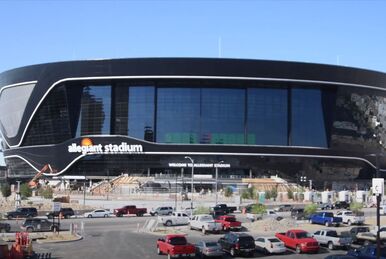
<point x="303" y="244"/>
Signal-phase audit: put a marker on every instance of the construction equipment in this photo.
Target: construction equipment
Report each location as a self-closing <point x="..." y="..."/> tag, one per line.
<point x="34" y="183"/>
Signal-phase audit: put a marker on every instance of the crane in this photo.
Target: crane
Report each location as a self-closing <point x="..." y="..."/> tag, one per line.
<point x="34" y="182"/>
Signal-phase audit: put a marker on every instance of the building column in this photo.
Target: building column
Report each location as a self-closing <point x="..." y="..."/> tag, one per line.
<point x="250" y="173"/>
<point x="182" y="172"/>
<point x="148" y="172"/>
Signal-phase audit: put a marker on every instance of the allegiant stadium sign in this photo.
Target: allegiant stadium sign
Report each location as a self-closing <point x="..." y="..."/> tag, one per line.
<point x="87" y="147"/>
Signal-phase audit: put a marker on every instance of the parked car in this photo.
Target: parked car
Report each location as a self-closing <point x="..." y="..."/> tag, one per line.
<point x="367" y="252"/>
<point x="270" y="245"/>
<point x="237" y="244"/>
<point x="161" y="211"/>
<point x="382" y="232"/>
<point x="349" y="217"/>
<point x="65" y="212"/>
<point x="325" y="205"/>
<point x="22" y="213"/>
<point x="208" y="249"/>
<point x="223" y="208"/>
<point x="100" y="213"/>
<point x="177" y="218"/>
<point x="298" y="213"/>
<point x="130" y="209"/>
<point x="283" y="208"/>
<point x="229" y="222"/>
<point x="341" y="205"/>
<point x="205" y="223"/>
<point x="340" y="256"/>
<point x="331" y="239"/>
<point x="268" y="214"/>
<point x="299" y="240"/>
<point x="175" y="246"/>
<point x="5" y="227"/>
<point x="39" y="224"/>
<point x="325" y="218"/>
<point x="355" y="231"/>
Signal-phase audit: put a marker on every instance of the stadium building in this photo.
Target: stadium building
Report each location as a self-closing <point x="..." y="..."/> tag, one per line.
<point x="144" y="116"/>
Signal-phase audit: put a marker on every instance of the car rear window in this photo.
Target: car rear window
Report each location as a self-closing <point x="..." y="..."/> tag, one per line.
<point x="211" y="244"/>
<point x="329" y="214"/>
<point x="274" y="240"/>
<point x="230" y="219"/>
<point x="246" y="240"/>
<point x="178" y="241"/>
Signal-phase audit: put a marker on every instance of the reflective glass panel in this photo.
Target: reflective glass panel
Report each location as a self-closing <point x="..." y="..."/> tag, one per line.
<point x="267" y="116"/>
<point x="141" y="112"/>
<point x="178" y="115"/>
<point x="13" y="101"/>
<point x="222" y="116"/>
<point x="95" y="113"/>
<point x="307" y="118"/>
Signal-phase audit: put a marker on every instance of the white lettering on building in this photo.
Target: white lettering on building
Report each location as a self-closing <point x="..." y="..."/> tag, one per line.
<point x="123" y="148"/>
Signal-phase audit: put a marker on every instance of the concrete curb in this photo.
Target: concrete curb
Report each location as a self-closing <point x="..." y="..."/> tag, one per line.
<point x="44" y="241"/>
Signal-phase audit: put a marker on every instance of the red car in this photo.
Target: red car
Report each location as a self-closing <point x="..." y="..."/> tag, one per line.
<point x="130" y="209"/>
<point x="175" y="246"/>
<point x="299" y="240"/>
<point x="229" y="222"/>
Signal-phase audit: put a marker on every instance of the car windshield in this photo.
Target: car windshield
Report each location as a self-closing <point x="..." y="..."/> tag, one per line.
<point x="178" y="241"/>
<point x="274" y="240"/>
<point x="301" y="235"/>
<point x="211" y="244"/>
<point x="206" y="218"/>
<point x="246" y="240"/>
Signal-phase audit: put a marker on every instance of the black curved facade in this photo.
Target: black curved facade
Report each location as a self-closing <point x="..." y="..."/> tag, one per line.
<point x="259" y="117"/>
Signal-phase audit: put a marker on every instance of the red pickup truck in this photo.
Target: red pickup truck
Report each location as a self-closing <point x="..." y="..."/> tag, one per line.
<point x="229" y="222"/>
<point x="175" y="246"/>
<point x="299" y="240"/>
<point x="131" y="209"/>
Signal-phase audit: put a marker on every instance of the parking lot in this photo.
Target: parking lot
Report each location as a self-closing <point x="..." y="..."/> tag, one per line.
<point x="119" y="238"/>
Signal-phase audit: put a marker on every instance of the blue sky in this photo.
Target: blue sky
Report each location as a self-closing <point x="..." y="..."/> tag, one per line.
<point x="351" y="33"/>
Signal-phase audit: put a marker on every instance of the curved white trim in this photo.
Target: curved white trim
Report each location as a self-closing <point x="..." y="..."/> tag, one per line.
<point x="9" y="86"/>
<point x="185" y="77"/>
<point x="209" y="153"/>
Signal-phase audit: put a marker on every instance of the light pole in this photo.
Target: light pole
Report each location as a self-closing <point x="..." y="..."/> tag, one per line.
<point x="217" y="178"/>
<point x="191" y="160"/>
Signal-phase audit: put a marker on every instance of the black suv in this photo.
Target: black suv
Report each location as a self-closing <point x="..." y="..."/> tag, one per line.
<point x="237" y="243"/>
<point x="37" y="224"/>
<point x="342" y="205"/>
<point x="66" y="213"/>
<point x="4" y="227"/>
<point x="298" y="213"/>
<point x="22" y="213"/>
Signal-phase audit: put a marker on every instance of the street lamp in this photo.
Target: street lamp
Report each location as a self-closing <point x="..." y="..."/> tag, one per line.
<point x="191" y="160"/>
<point x="217" y="178"/>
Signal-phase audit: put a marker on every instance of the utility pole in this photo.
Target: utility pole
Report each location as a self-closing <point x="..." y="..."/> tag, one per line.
<point x="192" y="182"/>
<point x="216" y="189"/>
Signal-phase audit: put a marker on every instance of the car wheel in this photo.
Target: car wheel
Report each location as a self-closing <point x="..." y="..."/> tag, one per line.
<point x="89" y="216"/>
<point x="296" y="218"/>
<point x="203" y="230"/>
<point x="29" y="229"/>
<point x="67" y="216"/>
<point x="9" y="217"/>
<point x="106" y="216"/>
<point x="298" y="250"/>
<point x="168" y="223"/>
<point x="55" y="229"/>
<point x="279" y="218"/>
<point x="232" y="252"/>
<point x="159" y="251"/>
<point x="265" y="251"/>
<point x="327" y="224"/>
<point x="330" y="246"/>
<point x="349" y="223"/>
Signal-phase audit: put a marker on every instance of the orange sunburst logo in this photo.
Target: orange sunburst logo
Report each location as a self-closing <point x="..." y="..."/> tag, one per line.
<point x="86" y="142"/>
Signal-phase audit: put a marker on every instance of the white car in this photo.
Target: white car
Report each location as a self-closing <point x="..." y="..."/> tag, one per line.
<point x="349" y="218"/>
<point x="205" y="223"/>
<point x="268" y="214"/>
<point x="100" y="213"/>
<point x="270" y="245"/>
<point x="177" y="218"/>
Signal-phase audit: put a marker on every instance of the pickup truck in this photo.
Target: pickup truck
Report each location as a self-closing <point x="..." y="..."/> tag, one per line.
<point x="349" y="218"/>
<point x="325" y="218"/>
<point x="268" y="214"/>
<point x="205" y="223"/>
<point x="175" y="246"/>
<point x="131" y="209"/>
<point x="299" y="240"/>
<point x="229" y="223"/>
<point x="331" y="239"/>
<point x="357" y="230"/>
<point x="223" y="209"/>
<point x="177" y="218"/>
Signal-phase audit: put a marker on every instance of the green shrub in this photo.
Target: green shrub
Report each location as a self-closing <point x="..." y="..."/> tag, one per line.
<point x="248" y="193"/>
<point x="47" y="193"/>
<point x="201" y="210"/>
<point x="6" y="190"/>
<point x="258" y="208"/>
<point x="290" y="194"/>
<point x="25" y="191"/>
<point x="310" y="209"/>
<point x="274" y="193"/>
<point x="268" y="195"/>
<point x="356" y="207"/>
<point x="228" y="192"/>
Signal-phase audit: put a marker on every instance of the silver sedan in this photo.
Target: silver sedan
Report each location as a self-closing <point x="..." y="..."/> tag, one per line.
<point x="208" y="249"/>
